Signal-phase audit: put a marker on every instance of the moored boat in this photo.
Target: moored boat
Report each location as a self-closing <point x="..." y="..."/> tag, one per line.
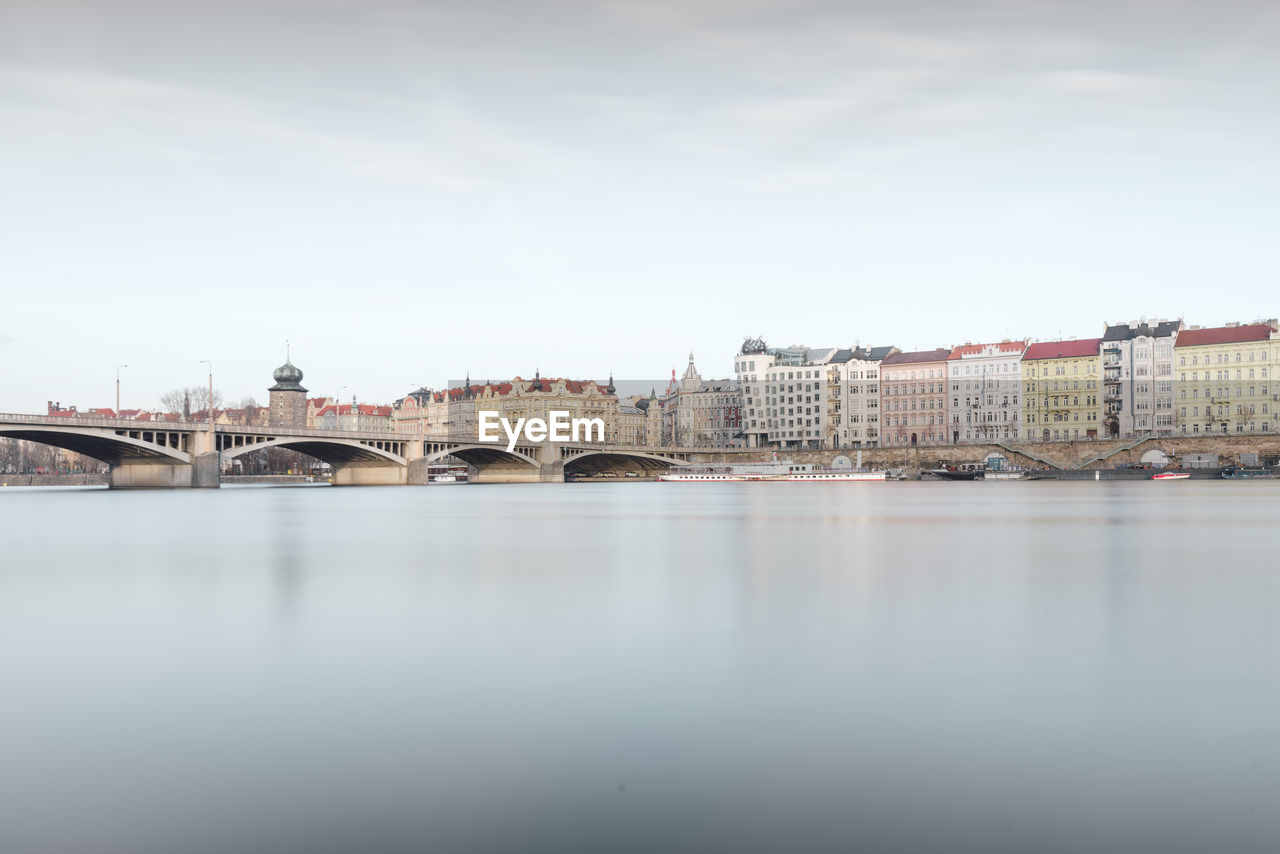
<point x="1243" y="473"/>
<point x="779" y="470"/>
<point x="1170" y="475"/>
<point x="953" y="473"/>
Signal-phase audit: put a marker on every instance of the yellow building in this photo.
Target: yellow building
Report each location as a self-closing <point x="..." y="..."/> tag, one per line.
<point x="1226" y="379"/>
<point x="1061" y="384"/>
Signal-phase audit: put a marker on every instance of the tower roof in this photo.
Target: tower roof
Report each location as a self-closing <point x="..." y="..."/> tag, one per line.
<point x="288" y="378"/>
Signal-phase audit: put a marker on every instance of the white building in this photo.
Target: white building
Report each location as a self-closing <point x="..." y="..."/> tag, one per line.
<point x="1137" y="377"/>
<point x="797" y="397"/>
<point x="985" y="391"/>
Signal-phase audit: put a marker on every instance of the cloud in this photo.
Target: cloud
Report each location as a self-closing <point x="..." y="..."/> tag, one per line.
<point x="438" y="144"/>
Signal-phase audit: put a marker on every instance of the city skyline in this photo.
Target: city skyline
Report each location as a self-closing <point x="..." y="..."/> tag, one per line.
<point x="229" y="396"/>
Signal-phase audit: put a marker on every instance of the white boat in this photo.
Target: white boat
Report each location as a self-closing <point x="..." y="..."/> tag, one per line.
<point x="444" y="478"/>
<point x="779" y="470"/>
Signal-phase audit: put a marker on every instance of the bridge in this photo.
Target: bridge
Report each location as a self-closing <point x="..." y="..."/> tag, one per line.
<point x="189" y="454"/>
<point x="172" y="454"/>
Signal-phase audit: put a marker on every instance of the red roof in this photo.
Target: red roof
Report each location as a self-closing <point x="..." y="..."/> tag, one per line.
<point x="1062" y="349"/>
<point x="977" y="349"/>
<point x="1223" y="335"/>
<point x="361" y="409"/>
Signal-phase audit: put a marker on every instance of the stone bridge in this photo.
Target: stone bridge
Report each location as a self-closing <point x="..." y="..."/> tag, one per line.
<point x="188" y="454"/>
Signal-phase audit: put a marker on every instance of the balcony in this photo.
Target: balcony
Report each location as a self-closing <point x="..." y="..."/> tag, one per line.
<point x="1112" y="394"/>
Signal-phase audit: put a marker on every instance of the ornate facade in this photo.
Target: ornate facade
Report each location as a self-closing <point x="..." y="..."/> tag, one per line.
<point x="913" y="398"/>
<point x="699" y="413"/>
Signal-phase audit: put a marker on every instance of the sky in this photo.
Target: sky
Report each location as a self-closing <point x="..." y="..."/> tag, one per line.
<point x="410" y="192"/>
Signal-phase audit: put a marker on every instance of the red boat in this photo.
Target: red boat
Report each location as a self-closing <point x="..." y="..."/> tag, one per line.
<point x="1171" y="475"/>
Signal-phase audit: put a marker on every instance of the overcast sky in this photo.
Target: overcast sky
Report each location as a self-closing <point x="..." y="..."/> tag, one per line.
<point x="410" y="191"/>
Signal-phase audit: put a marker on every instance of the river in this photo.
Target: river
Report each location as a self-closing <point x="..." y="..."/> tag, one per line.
<point x="916" y="667"/>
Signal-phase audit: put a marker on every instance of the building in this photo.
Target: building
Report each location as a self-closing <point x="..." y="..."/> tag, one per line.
<point x="851" y="397"/>
<point x="287" y="401"/>
<point x="540" y="396"/>
<point x="640" y="420"/>
<point x="1226" y="379"/>
<point x="1061" y="385"/>
<point x="1137" y="378"/>
<point x="913" y="398"/>
<point x="454" y="412"/>
<point x="797" y="397"/>
<point x="699" y="413"/>
<point x="356" y="416"/>
<point x="314" y="405"/>
<point x="986" y="391"/>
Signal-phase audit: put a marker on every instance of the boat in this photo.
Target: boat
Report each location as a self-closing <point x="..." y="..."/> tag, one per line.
<point x="1171" y="475"/>
<point x="1243" y="473"/>
<point x="779" y="470"/>
<point x="953" y="473"/>
<point x="446" y="473"/>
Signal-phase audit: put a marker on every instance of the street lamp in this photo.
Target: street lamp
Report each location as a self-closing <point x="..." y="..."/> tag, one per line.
<point x="118" y="367"/>
<point x="210" y="364"/>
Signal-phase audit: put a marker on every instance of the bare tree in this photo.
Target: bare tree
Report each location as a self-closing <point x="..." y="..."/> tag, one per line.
<point x="249" y="411"/>
<point x="190" y="399"/>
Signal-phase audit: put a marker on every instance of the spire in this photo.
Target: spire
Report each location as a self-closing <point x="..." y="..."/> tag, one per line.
<point x="610" y="388"/>
<point x="691" y="380"/>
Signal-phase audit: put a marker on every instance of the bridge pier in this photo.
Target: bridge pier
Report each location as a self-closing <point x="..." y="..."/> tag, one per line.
<point x="207" y="471"/>
<point x="417" y="472"/>
<point x="145" y="475"/>
<point x="376" y="475"/>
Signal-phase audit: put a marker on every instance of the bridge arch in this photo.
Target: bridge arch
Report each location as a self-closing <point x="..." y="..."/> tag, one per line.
<point x="335" y="451"/>
<point x="482" y="455"/>
<point x="588" y="461"/>
<point x="110" y="446"/>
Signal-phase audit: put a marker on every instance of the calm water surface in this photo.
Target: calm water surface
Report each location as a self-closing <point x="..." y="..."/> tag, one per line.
<point x="653" y="667"/>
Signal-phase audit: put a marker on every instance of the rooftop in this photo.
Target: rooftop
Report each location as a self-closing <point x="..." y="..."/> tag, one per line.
<point x="1224" y="335"/>
<point x="1062" y="349"/>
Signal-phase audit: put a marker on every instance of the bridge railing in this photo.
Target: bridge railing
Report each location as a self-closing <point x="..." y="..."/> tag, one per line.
<point x="85" y="421"/>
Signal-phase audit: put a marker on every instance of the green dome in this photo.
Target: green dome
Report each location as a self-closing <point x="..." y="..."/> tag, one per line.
<point x="288" y="378"/>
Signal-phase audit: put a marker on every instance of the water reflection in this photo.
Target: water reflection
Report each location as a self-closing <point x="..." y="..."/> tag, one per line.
<point x="919" y="667"/>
